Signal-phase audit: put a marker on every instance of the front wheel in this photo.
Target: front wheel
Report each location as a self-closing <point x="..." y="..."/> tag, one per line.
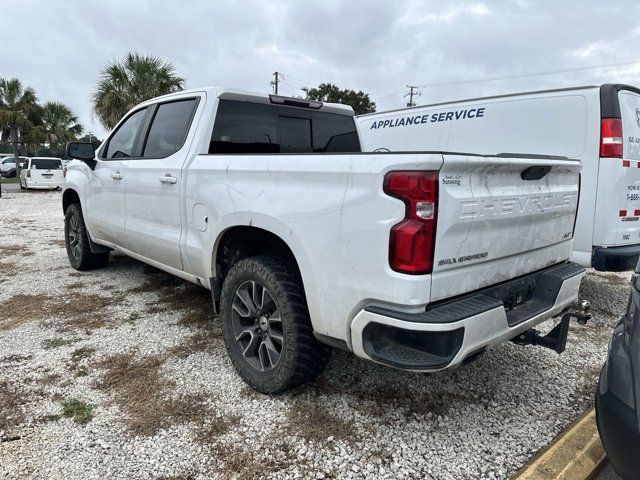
<point x="76" y="240"/>
<point x="266" y="325"/>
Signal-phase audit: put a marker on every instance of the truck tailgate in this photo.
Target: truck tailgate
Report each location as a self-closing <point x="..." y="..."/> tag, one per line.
<point x="501" y="217"/>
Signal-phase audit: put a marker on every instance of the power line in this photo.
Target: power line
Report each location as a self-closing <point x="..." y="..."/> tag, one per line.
<point x="527" y="75"/>
<point x="411" y="95"/>
<point x="277" y="78"/>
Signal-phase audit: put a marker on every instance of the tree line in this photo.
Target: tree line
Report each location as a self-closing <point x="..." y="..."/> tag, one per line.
<point x="28" y="127"/>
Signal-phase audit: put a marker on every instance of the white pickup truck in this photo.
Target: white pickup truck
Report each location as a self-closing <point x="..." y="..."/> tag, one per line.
<point x="416" y="261"/>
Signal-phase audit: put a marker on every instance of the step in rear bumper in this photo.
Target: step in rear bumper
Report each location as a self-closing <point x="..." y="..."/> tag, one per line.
<point x="449" y="332"/>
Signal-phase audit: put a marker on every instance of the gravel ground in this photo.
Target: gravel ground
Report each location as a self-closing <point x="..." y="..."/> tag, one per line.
<point x="121" y="373"/>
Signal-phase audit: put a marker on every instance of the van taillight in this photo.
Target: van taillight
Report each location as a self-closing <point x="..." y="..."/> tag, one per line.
<point x="28" y="173"/>
<point x="611" y="137"/>
<point x="412" y="241"/>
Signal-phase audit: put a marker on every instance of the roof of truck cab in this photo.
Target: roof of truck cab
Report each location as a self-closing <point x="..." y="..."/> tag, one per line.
<point x="247" y="96"/>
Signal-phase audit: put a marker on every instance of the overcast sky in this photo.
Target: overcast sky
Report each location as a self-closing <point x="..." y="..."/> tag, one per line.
<point x="59" y="47"/>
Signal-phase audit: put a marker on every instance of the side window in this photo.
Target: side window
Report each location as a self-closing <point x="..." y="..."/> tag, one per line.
<point x="243" y="127"/>
<point x="169" y="128"/>
<point x="123" y="140"/>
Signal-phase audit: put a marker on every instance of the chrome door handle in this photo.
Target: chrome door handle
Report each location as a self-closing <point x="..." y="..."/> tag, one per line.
<point x="168" y="178"/>
<point x="117" y="175"/>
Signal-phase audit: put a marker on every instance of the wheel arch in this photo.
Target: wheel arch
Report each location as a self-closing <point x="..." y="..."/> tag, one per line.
<point x="242" y="241"/>
<point x="69" y="197"/>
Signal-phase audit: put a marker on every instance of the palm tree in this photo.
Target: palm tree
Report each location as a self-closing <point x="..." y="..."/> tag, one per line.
<point x="16" y="105"/>
<point x="59" y="125"/>
<point x="124" y="84"/>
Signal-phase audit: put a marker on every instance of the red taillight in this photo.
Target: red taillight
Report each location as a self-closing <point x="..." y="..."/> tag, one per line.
<point x="412" y="241"/>
<point x="611" y="137"/>
<point x="28" y="173"/>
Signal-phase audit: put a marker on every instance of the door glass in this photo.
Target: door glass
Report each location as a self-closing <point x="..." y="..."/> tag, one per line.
<point x="169" y="128"/>
<point x="123" y="140"/>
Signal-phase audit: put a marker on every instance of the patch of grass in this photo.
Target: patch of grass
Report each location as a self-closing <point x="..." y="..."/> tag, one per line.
<point x="198" y="342"/>
<point x="243" y="465"/>
<point x="77" y="362"/>
<point x="51" y="418"/>
<point x="131" y="319"/>
<point x="80" y="411"/>
<point x="193" y="302"/>
<point x="15" y="358"/>
<point x="308" y="418"/>
<point x="76" y="309"/>
<point x="9" y="268"/>
<point x="11" y="413"/>
<point x="10" y="180"/>
<point x="58" y="342"/>
<point x="13" y="250"/>
<point x="143" y="394"/>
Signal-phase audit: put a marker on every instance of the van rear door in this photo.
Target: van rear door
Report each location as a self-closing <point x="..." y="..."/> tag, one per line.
<point x="46" y="172"/>
<point x="500" y="217"/>
<point x="617" y="218"/>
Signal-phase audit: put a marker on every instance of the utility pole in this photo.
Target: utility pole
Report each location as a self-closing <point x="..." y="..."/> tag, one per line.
<point x="277" y="77"/>
<point x="411" y="94"/>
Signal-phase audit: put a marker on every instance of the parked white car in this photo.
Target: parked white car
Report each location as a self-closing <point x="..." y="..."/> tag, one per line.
<point x="598" y="125"/>
<point x="417" y="261"/>
<point x="42" y="173"/>
<point x="8" y="166"/>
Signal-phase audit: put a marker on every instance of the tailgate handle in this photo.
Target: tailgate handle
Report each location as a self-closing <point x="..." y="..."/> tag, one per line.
<point x="535" y="172"/>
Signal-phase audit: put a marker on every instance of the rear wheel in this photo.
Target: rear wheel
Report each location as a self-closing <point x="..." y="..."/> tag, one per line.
<point x="266" y="325"/>
<point x="76" y="241"/>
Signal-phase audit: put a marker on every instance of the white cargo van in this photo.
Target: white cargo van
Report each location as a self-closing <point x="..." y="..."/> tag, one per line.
<point x="600" y="125"/>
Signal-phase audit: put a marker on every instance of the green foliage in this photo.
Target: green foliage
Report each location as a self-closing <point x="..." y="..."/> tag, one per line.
<point x="135" y="79"/>
<point x="80" y="411"/>
<point x="327" y="92"/>
<point x="27" y="125"/>
<point x="59" y="125"/>
<point x="57" y="342"/>
<point x="16" y="112"/>
<point x="95" y="141"/>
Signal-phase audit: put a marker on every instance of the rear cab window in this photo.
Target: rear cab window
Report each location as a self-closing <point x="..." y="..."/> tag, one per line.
<point x="256" y="128"/>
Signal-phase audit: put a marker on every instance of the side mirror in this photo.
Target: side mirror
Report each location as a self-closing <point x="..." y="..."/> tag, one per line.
<point x="82" y="151"/>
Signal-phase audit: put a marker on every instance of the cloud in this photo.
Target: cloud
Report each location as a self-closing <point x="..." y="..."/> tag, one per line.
<point x="377" y="46"/>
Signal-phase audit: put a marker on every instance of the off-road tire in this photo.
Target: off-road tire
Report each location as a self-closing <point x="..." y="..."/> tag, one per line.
<point x="76" y="241"/>
<point x="302" y="357"/>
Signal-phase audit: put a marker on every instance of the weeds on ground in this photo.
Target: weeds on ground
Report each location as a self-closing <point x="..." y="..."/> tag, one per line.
<point x="11" y="413"/>
<point x="143" y="394"/>
<point x="77" y="358"/>
<point x="199" y="342"/>
<point x="192" y="302"/>
<point x="57" y="342"/>
<point x="80" y="411"/>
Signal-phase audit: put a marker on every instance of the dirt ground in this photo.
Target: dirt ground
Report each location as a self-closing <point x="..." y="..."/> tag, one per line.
<point x="122" y="373"/>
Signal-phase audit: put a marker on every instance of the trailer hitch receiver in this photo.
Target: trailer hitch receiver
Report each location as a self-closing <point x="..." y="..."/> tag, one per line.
<point x="556" y="339"/>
